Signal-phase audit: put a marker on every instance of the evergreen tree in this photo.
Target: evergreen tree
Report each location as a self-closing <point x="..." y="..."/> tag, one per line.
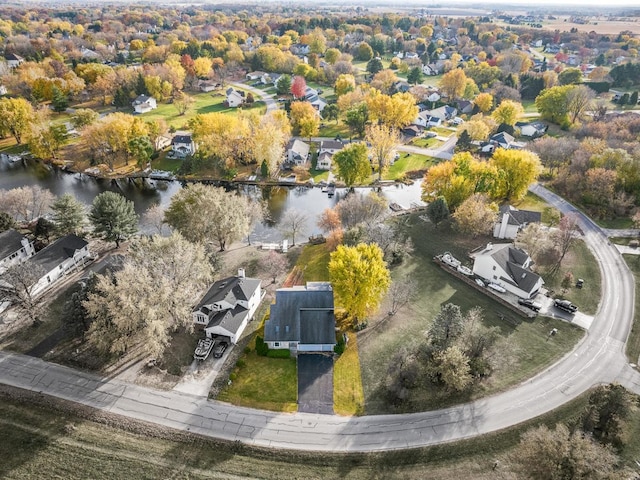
<point x="438" y="210"/>
<point x="114" y="217"/>
<point x="633" y="99"/>
<point x="374" y="66"/>
<point x="283" y="85"/>
<point x="60" y="100"/>
<point x="464" y="142"/>
<point x="121" y="98"/>
<point x="68" y="215"/>
<point x="415" y="76"/>
<point x="141" y="87"/>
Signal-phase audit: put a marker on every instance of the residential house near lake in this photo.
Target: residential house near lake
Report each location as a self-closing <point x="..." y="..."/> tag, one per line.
<point x="14" y="248"/>
<point x="511" y="221"/>
<point x="298" y="152"/>
<point x="302" y="319"/>
<point x="144" y="104"/>
<point x="228" y="306"/>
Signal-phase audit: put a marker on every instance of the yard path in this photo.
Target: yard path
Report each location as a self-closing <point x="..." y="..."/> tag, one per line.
<point x="267" y="97"/>
<point x="598" y="358"/>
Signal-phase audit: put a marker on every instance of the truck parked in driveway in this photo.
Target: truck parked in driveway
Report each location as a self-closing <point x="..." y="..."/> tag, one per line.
<point x="565" y="305"/>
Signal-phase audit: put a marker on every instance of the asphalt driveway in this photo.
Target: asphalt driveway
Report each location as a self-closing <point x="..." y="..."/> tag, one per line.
<point x="315" y="383"/>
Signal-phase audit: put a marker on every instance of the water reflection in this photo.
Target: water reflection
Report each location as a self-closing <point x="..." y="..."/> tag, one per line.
<point x="145" y="193"/>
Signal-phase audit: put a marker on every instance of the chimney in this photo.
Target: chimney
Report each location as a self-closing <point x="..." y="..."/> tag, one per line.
<point x="28" y="247"/>
<point x="489" y="246"/>
<point x="241" y="272"/>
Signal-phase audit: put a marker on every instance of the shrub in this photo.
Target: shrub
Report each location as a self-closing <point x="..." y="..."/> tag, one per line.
<point x="340" y="346"/>
<point x="241" y="363"/>
<point x="233" y="376"/>
<point x="261" y="348"/>
<point x="280" y="353"/>
<point x="247" y="350"/>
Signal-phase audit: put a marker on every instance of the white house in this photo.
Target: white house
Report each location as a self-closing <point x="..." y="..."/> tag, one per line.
<point x="509" y="267"/>
<point x="330" y="146"/>
<point x="511" y="221"/>
<point x="208" y="86"/>
<point x="183" y="145"/>
<point x="302" y="319"/>
<point x="144" y="104"/>
<point x="228" y="306"/>
<point x="426" y="120"/>
<point x="89" y="54"/>
<point x="13" y="60"/>
<point x="14" y="248"/>
<point x="324" y="161"/>
<point x="3" y="90"/>
<point x="298" y="152"/>
<point x="533" y="129"/>
<point x="255" y="75"/>
<point x="318" y="103"/>
<point x="65" y="254"/>
<point x="234" y="98"/>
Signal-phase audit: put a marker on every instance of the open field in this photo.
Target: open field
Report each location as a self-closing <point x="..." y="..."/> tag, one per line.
<point x="42" y="437"/>
<point x="598" y="25"/>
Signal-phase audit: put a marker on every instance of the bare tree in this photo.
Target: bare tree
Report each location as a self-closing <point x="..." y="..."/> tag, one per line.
<point x="153" y="218"/>
<point x="293" y="223"/>
<point x="401" y="292"/>
<point x="274" y="264"/>
<point x="26" y="204"/>
<point x="564" y="237"/>
<point x="579" y="101"/>
<point x="17" y="288"/>
<point x="356" y="209"/>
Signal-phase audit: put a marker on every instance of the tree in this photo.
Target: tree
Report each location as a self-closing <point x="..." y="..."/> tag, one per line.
<point x="16" y="115"/>
<point x="352" y="164"/>
<point x="203" y="214"/>
<point x="451" y="367"/>
<point x="26" y="204"/>
<point x="570" y="76"/>
<point x="564" y="237"/>
<point x="415" y="76"/>
<point x="633" y="99"/>
<point x="484" y="102"/>
<point x="437" y="211"/>
<point x="141" y="149"/>
<point x="383" y="140"/>
<point x="304" y="119"/>
<point x="364" y="52"/>
<point x="182" y="102"/>
<point x="331" y="55"/>
<point x="294" y="222"/>
<point x="475" y="216"/>
<point x="453" y="83"/>
<point x="356" y="209"/>
<point x="396" y="111"/>
<point x="384" y="81"/>
<point x="508" y="112"/>
<point x="68" y="215"/>
<point x="554" y="152"/>
<point x="331" y="112"/>
<point x="6" y="222"/>
<point x="518" y="169"/>
<point x="298" y="87"/>
<point x="357" y="118"/>
<point x="562" y="455"/>
<point x="153" y="218"/>
<point x="150" y="297"/>
<point x="552" y="104"/>
<point x="359" y="278"/>
<point x="283" y="85"/>
<point x="113" y="217"/>
<point x="579" y="100"/>
<point x="609" y="407"/>
<point x="446" y="327"/>
<point x="83" y="117"/>
<point x="401" y="292"/>
<point x="17" y="287"/>
<point x="274" y="264"/>
<point x="345" y="83"/>
<point x="329" y="220"/>
<point x="374" y="66"/>
<point x="46" y="139"/>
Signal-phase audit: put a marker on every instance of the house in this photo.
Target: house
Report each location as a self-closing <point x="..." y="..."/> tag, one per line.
<point x="508" y="266"/>
<point x="57" y="259"/>
<point x="255" y="75"/>
<point x="228" y="306"/>
<point x="411" y="131"/>
<point x="317" y="102"/>
<point x="208" y="86"/>
<point x="298" y="152"/>
<point x="533" y="129"/>
<point x="234" y="98"/>
<point x="428" y="70"/>
<point x="182" y="144"/>
<point x="426" y="120"/>
<point x="465" y="106"/>
<point x="300" y="49"/>
<point x="3" y="90"/>
<point x="14" y="248"/>
<point x="302" y="319"/>
<point x="89" y="54"/>
<point x="144" y="104"/>
<point x="331" y="146"/>
<point x="13" y="60"/>
<point x="401" y="86"/>
<point x="511" y="221"/>
<point x="324" y="161"/>
<point x="500" y="140"/>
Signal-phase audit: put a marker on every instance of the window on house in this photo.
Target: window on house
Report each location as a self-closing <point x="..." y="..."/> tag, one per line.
<point x="495" y="277"/>
<point x="494" y="267"/>
<point x="276" y="344"/>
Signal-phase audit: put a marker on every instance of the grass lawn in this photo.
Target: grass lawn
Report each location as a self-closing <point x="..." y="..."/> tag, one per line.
<point x="263" y="382"/>
<point x="623" y="240"/>
<point x="348" y="396"/>
<point x="9" y="145"/>
<point x="525" y="340"/>
<point x="529" y="106"/>
<point x="205" y="102"/>
<point x="533" y="202"/>
<point x="633" y="343"/>
<point x="426" y="142"/>
<point x="165" y="163"/>
<point x="410" y="163"/>
<point x="622" y="222"/>
<point x="333" y="129"/>
<point x="314" y="261"/>
<point x="442" y="131"/>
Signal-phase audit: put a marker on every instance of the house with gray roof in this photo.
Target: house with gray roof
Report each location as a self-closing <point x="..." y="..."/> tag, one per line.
<point x="508" y="266"/>
<point x="298" y="152"/>
<point x="228" y="306"/>
<point x="14" y="248"/>
<point x="302" y="319"/>
<point x="58" y="259"/>
<point x="511" y="221"/>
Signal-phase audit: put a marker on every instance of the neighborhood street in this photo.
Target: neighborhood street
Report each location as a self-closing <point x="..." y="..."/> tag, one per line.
<point x="598" y="358"/>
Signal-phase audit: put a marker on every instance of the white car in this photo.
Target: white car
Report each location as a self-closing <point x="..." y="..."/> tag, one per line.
<point x="496" y="287"/>
<point x="480" y="283"/>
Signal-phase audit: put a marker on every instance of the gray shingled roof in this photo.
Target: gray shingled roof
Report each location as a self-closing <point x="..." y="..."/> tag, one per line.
<point x="302" y="314"/>
<point x="229" y="289"/>
<point x="10" y="242"/>
<point x="520" y="217"/>
<point x="511" y="260"/>
<point x="59" y="251"/>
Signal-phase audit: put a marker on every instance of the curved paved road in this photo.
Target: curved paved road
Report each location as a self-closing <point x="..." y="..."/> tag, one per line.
<point x="598" y="358"/>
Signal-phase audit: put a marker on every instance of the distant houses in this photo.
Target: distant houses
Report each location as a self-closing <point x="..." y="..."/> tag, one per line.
<point x="298" y="152"/>
<point x="234" y="98"/>
<point x="183" y="145"/>
<point x="144" y="104"/>
<point x="14" y="248"/>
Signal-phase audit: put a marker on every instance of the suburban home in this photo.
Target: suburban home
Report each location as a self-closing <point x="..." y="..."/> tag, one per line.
<point x="465" y="106"/>
<point x="13" y="60"/>
<point x="401" y="86"/>
<point x="298" y="152"/>
<point x="317" y="102"/>
<point x="144" y="104"/>
<point x="500" y="140"/>
<point x="234" y="98"/>
<point x="14" y="248"/>
<point x="300" y="49"/>
<point x="255" y="75"/>
<point x="533" y="129"/>
<point x="507" y="266"/>
<point x="208" y="86"/>
<point x="426" y="120"/>
<point x="228" y="306"/>
<point x="182" y="144"/>
<point x="412" y="131"/>
<point x="324" y="161"/>
<point x="57" y="259"/>
<point x="511" y="221"/>
<point x="88" y="54"/>
<point x="331" y="146"/>
<point x="302" y="319"/>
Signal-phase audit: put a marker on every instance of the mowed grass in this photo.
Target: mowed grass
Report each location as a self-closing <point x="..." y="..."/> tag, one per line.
<point x="582" y="264"/>
<point x="205" y="102"/>
<point x="165" y="163"/>
<point x="348" y="395"/>
<point x="633" y="342"/>
<point x="314" y="262"/>
<point x="533" y="202"/>
<point x="408" y="163"/>
<point x="525" y="347"/>
<point x="620" y="222"/>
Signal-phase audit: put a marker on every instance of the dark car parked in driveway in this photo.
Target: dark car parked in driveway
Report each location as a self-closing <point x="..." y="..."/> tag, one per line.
<point x="565" y="305"/>
<point x="219" y="349"/>
<point x="527" y="302"/>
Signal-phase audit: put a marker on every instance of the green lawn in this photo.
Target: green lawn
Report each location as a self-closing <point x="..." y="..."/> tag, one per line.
<point x="165" y="163"/>
<point x="411" y="163"/>
<point x="621" y="222"/>
<point x="529" y="106"/>
<point x="332" y="129"/>
<point x="205" y="102"/>
<point x="525" y="346"/>
<point x="533" y="202"/>
<point x="633" y="343"/>
<point x="314" y="261"/>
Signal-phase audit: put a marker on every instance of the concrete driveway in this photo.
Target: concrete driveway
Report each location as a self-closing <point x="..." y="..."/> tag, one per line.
<point x="315" y="383"/>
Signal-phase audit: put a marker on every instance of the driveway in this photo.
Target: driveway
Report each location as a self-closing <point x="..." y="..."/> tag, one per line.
<point x="315" y="383"/>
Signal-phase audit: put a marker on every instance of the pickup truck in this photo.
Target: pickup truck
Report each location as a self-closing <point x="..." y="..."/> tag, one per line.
<point x="527" y="302"/>
<point x="565" y="305"/>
